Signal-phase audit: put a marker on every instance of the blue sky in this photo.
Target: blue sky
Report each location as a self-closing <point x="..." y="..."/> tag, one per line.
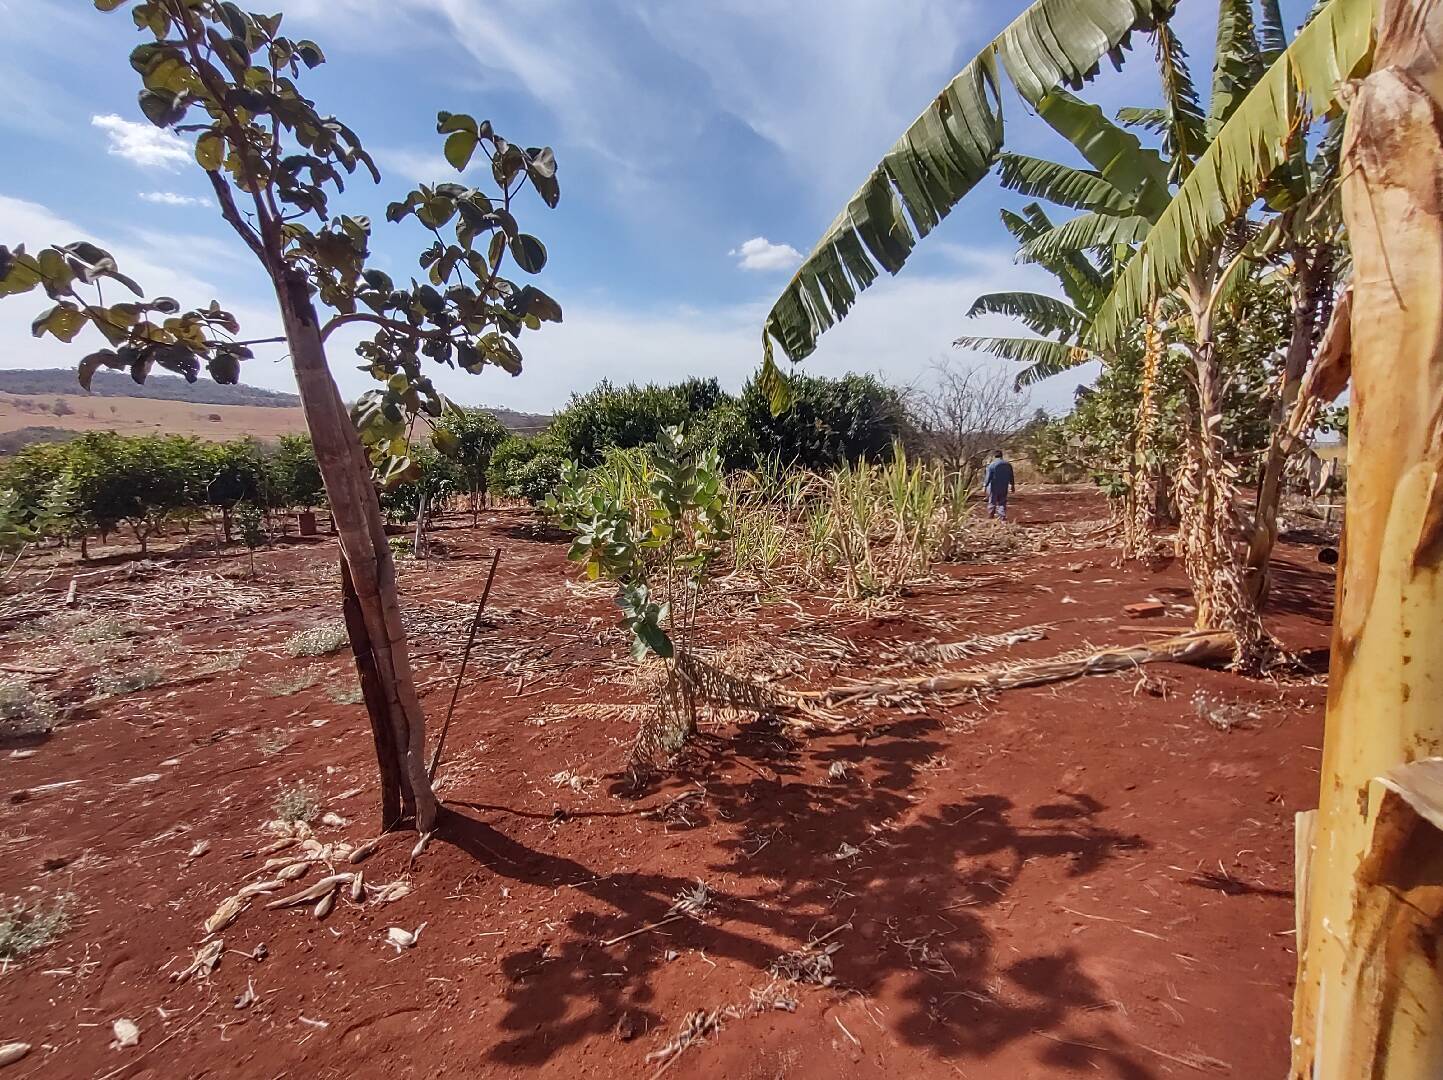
<point x="701" y="147"/>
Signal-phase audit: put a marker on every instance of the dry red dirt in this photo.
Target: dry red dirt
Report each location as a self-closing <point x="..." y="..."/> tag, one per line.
<point x="1082" y="880"/>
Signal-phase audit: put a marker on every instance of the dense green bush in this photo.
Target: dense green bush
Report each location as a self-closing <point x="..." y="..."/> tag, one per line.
<point x="526" y="467"/>
<point x="831" y="421"/>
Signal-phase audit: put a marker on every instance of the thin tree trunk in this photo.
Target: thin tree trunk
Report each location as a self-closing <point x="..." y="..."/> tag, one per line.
<point x="394" y="801"/>
<point x="1370" y="999"/>
<point x="362" y="534"/>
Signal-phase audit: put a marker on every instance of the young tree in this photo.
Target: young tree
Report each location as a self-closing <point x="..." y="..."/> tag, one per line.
<point x="294" y="478"/>
<point x="251" y="522"/>
<point x="469" y="437"/>
<point x="966" y="412"/>
<point x="228" y="79"/>
<point x="233" y="472"/>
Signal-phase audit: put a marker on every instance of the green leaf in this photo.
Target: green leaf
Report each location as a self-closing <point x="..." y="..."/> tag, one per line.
<point x="162" y="108"/>
<point x="210" y="151"/>
<point x="445" y="442"/>
<point x="1237" y="61"/>
<point x="460" y="145"/>
<point x="944" y="154"/>
<point x="533" y="301"/>
<point x="529" y="252"/>
<point x="1084" y="231"/>
<point x="63" y="321"/>
<point x="224" y="368"/>
<point x="1132" y="169"/>
<point x="447" y="122"/>
<point x="773" y="383"/>
<point x="1081" y="189"/>
<point x="93" y="363"/>
<point x="310" y="53"/>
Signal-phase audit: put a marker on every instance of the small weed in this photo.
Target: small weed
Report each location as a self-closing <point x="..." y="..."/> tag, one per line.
<point x="402" y="545"/>
<point x="304" y="681"/>
<point x="319" y="640"/>
<point x="102" y="628"/>
<point x="272" y="742"/>
<point x="23" y="711"/>
<point x="297" y="802"/>
<point x="26" y="928"/>
<point x="344" y="694"/>
<point x="127" y="680"/>
<point x="1223" y="715"/>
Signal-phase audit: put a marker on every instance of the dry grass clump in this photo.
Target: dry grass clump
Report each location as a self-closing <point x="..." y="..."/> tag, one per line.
<point x="24" y="711"/>
<point x="127" y="680"/>
<point x="286" y="687"/>
<point x="321" y="640"/>
<point x="24" y="928"/>
<point x="345" y="693"/>
<point x="297" y="802"/>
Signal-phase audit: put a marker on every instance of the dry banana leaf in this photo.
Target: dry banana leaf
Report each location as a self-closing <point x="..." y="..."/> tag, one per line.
<point x="229" y="910"/>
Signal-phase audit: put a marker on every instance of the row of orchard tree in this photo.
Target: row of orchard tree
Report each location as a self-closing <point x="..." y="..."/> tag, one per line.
<point x="101" y="483"/>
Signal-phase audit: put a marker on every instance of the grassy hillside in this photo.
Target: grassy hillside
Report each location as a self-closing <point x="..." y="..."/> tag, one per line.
<point x="49" y="382"/>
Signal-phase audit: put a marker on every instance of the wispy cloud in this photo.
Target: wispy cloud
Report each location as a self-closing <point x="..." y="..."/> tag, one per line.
<point x="170" y="198"/>
<point x="759" y="253"/>
<point x="142" y="144"/>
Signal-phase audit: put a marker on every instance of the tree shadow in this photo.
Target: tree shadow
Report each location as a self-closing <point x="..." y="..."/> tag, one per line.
<point x="914" y="890"/>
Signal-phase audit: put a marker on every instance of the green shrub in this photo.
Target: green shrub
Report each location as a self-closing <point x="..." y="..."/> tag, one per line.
<point x="26" y="928"/>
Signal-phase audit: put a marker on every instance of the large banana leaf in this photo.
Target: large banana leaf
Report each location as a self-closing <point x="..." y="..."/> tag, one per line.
<point x="1081" y="189"/>
<point x="1134" y="170"/>
<point x="1082" y="232"/>
<point x="1183" y="127"/>
<point x="1040" y="313"/>
<point x="1237" y="64"/>
<point x="1044" y="357"/>
<point x="941" y="157"/>
<point x="1083" y="283"/>
<point x="1336" y="45"/>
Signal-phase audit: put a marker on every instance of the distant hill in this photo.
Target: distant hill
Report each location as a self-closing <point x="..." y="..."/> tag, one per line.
<point x="48" y="405"/>
<point x="34" y="382"/>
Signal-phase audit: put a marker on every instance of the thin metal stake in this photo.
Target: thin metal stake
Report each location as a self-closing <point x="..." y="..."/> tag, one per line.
<point x="465" y="657"/>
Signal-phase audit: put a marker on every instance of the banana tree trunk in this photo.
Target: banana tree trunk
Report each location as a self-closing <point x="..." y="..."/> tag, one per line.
<point x="1308" y="270"/>
<point x="1139" y="530"/>
<point x="357" y="517"/>
<point x="1209" y="537"/>
<point x="1370" y="997"/>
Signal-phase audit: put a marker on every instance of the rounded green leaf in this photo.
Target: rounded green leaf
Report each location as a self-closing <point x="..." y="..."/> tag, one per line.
<point x="210" y="151"/>
<point x="460" y="145"/>
<point x="529" y="253"/>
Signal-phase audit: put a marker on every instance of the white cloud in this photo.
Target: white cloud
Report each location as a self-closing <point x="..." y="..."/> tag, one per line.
<point x="170" y="198"/>
<point x="142" y="144"/>
<point x="759" y="253"/>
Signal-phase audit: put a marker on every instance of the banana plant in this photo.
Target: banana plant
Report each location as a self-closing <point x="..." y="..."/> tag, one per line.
<point x="941" y="157"/>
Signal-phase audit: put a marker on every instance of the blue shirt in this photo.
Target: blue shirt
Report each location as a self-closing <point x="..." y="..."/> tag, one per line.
<point x="998" y="480"/>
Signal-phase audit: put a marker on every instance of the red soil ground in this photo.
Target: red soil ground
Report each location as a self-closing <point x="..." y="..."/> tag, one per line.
<point x="1082" y="880"/>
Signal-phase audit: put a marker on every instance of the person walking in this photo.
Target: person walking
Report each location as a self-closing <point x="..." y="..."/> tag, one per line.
<point x="998" y="482"/>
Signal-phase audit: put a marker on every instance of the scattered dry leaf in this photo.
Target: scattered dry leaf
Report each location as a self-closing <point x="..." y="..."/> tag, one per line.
<point x="12" y="1052"/>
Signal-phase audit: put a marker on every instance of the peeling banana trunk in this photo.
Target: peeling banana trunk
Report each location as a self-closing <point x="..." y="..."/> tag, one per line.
<point x="1370" y="997"/>
<point x="1140" y="520"/>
